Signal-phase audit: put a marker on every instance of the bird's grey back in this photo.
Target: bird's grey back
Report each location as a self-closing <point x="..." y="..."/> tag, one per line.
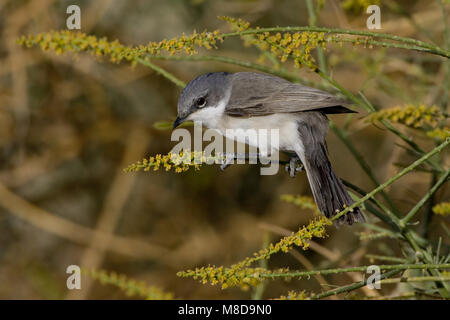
<point x="259" y="94"/>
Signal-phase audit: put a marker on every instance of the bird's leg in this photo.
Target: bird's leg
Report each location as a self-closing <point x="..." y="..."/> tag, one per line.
<point x="294" y="166"/>
<point x="229" y="159"/>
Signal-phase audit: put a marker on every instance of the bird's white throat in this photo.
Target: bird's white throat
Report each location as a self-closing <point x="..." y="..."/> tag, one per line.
<point x="210" y="116"/>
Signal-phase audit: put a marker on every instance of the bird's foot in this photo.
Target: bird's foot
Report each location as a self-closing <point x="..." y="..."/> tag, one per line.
<point x="228" y="161"/>
<point x="294" y="166"/>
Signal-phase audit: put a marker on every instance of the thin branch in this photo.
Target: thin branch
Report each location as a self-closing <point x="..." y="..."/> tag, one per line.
<point x="162" y="72"/>
<point x="297" y="274"/>
<point x="415" y="279"/>
<point x="429" y="194"/>
<point x="313" y="23"/>
<point x="246" y="64"/>
<point x="386" y="258"/>
<point x="352" y="286"/>
<point x="414" y="43"/>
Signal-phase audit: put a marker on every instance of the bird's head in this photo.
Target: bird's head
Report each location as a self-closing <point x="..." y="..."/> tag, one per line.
<point x="202" y="96"/>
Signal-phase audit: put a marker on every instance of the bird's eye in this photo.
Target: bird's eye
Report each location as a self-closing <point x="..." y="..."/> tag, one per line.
<point x="201" y="102"/>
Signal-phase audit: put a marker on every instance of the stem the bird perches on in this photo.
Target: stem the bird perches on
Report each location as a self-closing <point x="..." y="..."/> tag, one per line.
<point x="408" y="43"/>
<point x="419" y="205"/>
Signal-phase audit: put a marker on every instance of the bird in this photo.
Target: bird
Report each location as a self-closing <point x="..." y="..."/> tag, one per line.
<point x="252" y="100"/>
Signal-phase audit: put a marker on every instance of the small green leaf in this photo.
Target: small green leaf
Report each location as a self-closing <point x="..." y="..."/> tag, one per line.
<point x="162" y="125"/>
<point x="167" y="125"/>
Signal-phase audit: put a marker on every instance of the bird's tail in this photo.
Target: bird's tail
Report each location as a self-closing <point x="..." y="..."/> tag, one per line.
<point x="328" y="191"/>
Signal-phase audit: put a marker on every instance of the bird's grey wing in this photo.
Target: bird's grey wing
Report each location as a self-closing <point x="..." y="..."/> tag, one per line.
<point x="257" y="94"/>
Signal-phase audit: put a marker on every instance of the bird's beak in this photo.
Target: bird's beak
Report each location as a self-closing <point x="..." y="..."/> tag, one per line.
<point x="178" y="121"/>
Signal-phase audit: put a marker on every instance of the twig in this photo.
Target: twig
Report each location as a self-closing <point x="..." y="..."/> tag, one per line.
<point x="353" y="286"/>
<point x="259" y="290"/>
<point x="296" y="274"/>
<point x="429" y="194"/>
<point x="313" y="23"/>
<point x="162" y="72"/>
<point x="415" y="44"/>
<point x="246" y="64"/>
<point x="386" y="258"/>
<point x="415" y="279"/>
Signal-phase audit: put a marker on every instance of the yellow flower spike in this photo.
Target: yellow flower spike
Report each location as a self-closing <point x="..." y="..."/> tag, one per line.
<point x="129" y="286"/>
<point x="419" y="117"/>
<point x="292" y="295"/>
<point x="69" y="41"/>
<point x="301" y="201"/>
<point x="442" y="209"/>
<point x="177" y="162"/>
<point x="439" y="134"/>
<point x="242" y="274"/>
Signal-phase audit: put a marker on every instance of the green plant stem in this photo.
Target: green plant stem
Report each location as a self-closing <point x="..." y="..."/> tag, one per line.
<point x="411" y="143"/>
<point x="394" y="220"/>
<point x="352" y="286"/>
<point x="415" y="279"/>
<point x="399" y="297"/>
<point x="281" y="73"/>
<point x="259" y="290"/>
<point x="429" y="211"/>
<point x="423" y="255"/>
<point x="313" y="23"/>
<point x="370" y="208"/>
<point x="388" y="232"/>
<point x="408" y="234"/>
<point x="162" y="72"/>
<point x="370" y="42"/>
<point x="297" y="274"/>
<point x="422" y="202"/>
<point x="393" y="179"/>
<point x="344" y="91"/>
<point x="415" y="44"/>
<point x="386" y="258"/>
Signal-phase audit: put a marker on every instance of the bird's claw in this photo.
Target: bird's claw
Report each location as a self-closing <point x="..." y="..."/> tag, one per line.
<point x="294" y="166"/>
<point x="229" y="159"/>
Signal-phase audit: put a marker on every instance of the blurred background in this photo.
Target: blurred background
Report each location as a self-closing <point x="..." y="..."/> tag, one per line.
<point x="70" y="125"/>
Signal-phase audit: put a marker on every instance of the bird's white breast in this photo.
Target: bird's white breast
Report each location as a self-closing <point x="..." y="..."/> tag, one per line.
<point x="255" y="131"/>
<point x="236" y="128"/>
<point x="284" y="125"/>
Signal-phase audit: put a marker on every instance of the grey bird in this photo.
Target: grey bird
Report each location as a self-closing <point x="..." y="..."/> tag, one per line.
<point x="250" y="100"/>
